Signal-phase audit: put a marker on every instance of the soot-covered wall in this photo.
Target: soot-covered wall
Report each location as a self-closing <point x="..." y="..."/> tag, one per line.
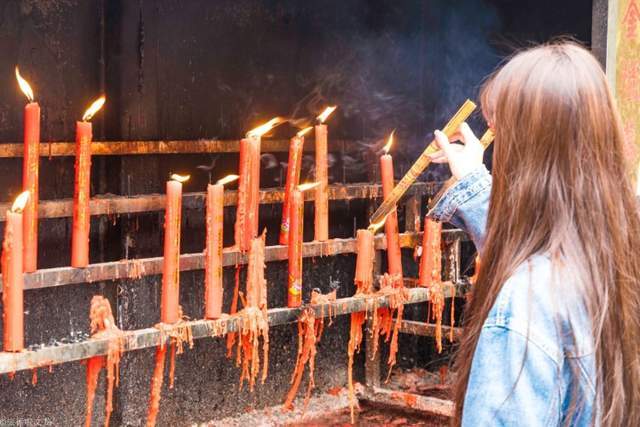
<point x="176" y="69"/>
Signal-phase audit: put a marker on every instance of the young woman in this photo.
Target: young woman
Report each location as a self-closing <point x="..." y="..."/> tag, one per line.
<point x="552" y="332"/>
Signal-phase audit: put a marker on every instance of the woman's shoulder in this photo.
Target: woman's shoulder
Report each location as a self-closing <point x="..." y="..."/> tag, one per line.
<point x="542" y="302"/>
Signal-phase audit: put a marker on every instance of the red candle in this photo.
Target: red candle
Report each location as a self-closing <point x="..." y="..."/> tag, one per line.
<point x="430" y="263"/>
<point x="82" y="190"/>
<point x="322" y="178"/>
<point x="170" y="303"/>
<point x="253" y="203"/>
<point x="30" y="168"/>
<point x="256" y="283"/>
<point x="364" y="261"/>
<point x="213" y="252"/>
<point x="247" y="214"/>
<point x="296" y="212"/>
<point x="293" y="178"/>
<point x="394" y="253"/>
<point x="12" y="277"/>
<point x="241" y="210"/>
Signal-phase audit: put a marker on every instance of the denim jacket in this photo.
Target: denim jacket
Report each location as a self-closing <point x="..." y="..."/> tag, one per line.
<point x="535" y="351"/>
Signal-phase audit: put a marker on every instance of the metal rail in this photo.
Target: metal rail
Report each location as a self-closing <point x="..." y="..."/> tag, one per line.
<point x="109" y="204"/>
<point x="151" y="337"/>
<point x="123" y="148"/>
<point x="429" y="329"/>
<point x="137" y="268"/>
<point x="404" y="400"/>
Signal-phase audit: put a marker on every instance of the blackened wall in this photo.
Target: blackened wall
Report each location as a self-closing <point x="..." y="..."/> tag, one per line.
<point x="195" y="69"/>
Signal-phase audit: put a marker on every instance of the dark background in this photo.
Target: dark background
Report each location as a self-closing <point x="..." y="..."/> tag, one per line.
<point x="197" y="69"/>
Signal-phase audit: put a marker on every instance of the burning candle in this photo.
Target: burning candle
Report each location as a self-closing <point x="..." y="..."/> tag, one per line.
<point x="247" y="215"/>
<point x="394" y="253"/>
<point x="213" y="252"/>
<point x="82" y="191"/>
<point x="430" y="263"/>
<point x="322" y="178"/>
<point x="12" y="277"/>
<point x="364" y="261"/>
<point x="293" y="178"/>
<point x="170" y="303"/>
<point x="30" y="167"/>
<point x="253" y="193"/>
<point x="242" y="195"/>
<point x="296" y="210"/>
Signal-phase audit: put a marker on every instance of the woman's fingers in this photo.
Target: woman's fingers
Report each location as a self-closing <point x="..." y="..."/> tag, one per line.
<point x="468" y="137"/>
<point x="437" y="155"/>
<point x="457" y="136"/>
<point x="440" y="160"/>
<point x="440" y="153"/>
<point x="442" y="141"/>
<point x="462" y="159"/>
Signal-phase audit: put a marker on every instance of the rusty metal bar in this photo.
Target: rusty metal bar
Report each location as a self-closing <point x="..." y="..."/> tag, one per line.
<point x="136" y="268"/>
<point x="427" y="329"/>
<point x="151" y="337"/>
<point x="323" y="406"/>
<point x="412" y="211"/>
<point x="108" y="205"/>
<point x="403" y="400"/>
<point x="123" y="148"/>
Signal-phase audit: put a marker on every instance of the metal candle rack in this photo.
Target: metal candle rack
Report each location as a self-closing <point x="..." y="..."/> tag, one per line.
<point x="41" y="356"/>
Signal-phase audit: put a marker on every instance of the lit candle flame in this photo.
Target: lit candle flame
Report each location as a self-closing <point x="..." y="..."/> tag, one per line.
<point x="20" y="202"/>
<point x="389" y="143"/>
<point x="227" y="179"/>
<point x="307" y="186"/>
<point x="303" y="132"/>
<point x="180" y="178"/>
<point x="327" y="111"/>
<point x="94" y="108"/>
<point x="262" y="129"/>
<point x="24" y="86"/>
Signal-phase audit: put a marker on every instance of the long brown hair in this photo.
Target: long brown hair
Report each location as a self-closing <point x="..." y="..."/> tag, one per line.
<point x="561" y="186"/>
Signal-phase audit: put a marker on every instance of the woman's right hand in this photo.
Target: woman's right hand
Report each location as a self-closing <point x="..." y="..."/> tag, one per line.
<point x="462" y="159"/>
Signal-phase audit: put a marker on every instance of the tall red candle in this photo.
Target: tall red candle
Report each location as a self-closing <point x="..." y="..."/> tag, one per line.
<point x="253" y="203"/>
<point x="431" y="260"/>
<point x="394" y="253"/>
<point x="170" y="302"/>
<point x="293" y="178"/>
<point x="30" y="167"/>
<point x="321" y="223"/>
<point x="82" y="190"/>
<point x="12" y="277"/>
<point x="242" y="195"/>
<point x="247" y="214"/>
<point x="213" y="252"/>
<point x="296" y="231"/>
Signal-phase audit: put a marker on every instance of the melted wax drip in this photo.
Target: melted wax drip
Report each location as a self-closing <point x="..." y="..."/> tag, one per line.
<point x="178" y="334"/>
<point x="103" y="326"/>
<point x="309" y="333"/>
<point x="255" y="323"/>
